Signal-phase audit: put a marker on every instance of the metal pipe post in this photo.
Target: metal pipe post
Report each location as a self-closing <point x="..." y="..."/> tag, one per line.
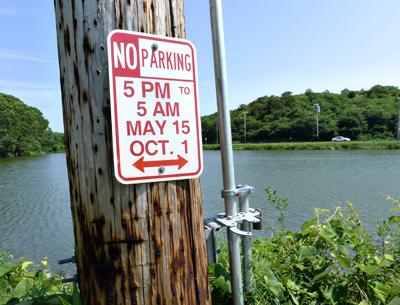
<point x="244" y="206"/>
<point x="245" y="125"/>
<point x="317" y="110"/>
<point x="226" y="146"/>
<point x="398" y="118"/>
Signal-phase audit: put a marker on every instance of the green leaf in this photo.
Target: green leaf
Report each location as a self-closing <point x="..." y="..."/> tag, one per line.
<point x="6" y="268"/>
<point x="4" y="300"/>
<point x="26" y="264"/>
<point x="307" y="252"/>
<point x="395" y="289"/>
<point x="328" y="294"/>
<point x="219" y="283"/>
<point x="23" y="287"/>
<point x="381" y="291"/>
<point x="3" y="286"/>
<point x="394" y="301"/>
<point x="389" y="257"/>
<point x="294" y="298"/>
<point x="220" y="270"/>
<point x="323" y="211"/>
<point x="63" y="301"/>
<point x="369" y="269"/>
<point x="394" y="219"/>
<point x="324" y="273"/>
<point x="343" y="256"/>
<point x="364" y="302"/>
<point x="327" y="234"/>
<point x="300" y="266"/>
<point x="272" y="283"/>
<point x="292" y="285"/>
<point x="307" y="227"/>
<point x="76" y="298"/>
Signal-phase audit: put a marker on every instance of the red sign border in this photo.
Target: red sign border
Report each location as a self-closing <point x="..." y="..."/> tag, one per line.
<point x="144" y="179"/>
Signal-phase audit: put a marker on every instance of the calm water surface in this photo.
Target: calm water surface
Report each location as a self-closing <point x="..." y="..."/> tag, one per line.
<point x="35" y="218"/>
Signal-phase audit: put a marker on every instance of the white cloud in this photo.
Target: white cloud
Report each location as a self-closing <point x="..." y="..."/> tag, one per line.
<point x="10" y="55"/>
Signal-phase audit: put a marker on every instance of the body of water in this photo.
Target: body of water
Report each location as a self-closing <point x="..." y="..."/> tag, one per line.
<point x="35" y="218"/>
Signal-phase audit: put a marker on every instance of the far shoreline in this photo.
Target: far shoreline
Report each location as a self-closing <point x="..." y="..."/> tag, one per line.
<point x="353" y="145"/>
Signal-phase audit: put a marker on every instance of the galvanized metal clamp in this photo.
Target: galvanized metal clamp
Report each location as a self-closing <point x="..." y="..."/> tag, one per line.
<point x="230" y="222"/>
<point x="253" y="216"/>
<point x="214" y="224"/>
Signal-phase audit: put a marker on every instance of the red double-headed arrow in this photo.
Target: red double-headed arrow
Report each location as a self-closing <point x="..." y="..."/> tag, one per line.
<point x="141" y="164"/>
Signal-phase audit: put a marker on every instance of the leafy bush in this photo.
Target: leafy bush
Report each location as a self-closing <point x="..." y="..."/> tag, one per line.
<point x="332" y="259"/>
<point x="22" y="282"/>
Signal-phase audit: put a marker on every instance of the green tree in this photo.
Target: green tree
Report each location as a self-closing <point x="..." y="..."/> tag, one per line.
<point x="362" y="114"/>
<point x="24" y="130"/>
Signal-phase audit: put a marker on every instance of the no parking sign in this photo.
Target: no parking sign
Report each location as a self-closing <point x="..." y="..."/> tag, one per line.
<point x="155" y="108"/>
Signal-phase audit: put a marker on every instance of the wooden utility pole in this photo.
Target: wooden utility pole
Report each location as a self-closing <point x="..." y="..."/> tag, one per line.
<point x="137" y="244"/>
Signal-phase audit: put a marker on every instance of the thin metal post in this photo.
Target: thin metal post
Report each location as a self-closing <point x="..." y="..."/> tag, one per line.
<point x="209" y="235"/>
<point x="245" y="125"/>
<point x="398" y="118"/>
<point x="226" y="146"/>
<point x="318" y="110"/>
<point x="244" y="206"/>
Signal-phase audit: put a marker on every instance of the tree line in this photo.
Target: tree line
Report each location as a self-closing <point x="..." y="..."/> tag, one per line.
<point x="359" y="115"/>
<point x="24" y="130"/>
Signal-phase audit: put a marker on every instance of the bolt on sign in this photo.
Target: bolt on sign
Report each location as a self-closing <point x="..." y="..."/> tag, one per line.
<point x="154" y="107"/>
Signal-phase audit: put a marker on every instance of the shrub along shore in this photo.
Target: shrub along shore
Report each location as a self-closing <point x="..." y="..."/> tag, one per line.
<point x="383" y="144"/>
<point x="331" y="259"/>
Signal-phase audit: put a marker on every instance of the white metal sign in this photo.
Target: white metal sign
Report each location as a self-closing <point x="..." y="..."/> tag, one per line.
<point x="154" y="107"/>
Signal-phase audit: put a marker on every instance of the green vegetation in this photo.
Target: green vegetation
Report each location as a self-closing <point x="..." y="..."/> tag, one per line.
<point x="359" y="115"/>
<point x="24" y="283"/>
<point x="362" y="115"/>
<point x="332" y="259"/>
<point x="382" y="144"/>
<point x="24" y="131"/>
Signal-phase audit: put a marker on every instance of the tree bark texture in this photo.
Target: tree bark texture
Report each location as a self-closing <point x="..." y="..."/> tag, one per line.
<point x="139" y="244"/>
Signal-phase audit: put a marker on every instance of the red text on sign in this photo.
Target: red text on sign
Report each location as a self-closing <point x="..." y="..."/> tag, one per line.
<point x="148" y="87"/>
<point x="166" y="60"/>
<point x="150" y="147"/>
<point x="142" y="128"/>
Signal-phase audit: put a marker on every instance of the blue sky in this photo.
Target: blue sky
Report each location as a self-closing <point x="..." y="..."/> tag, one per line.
<point x="272" y="47"/>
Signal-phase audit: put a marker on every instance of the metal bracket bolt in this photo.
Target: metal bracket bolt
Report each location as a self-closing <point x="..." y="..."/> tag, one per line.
<point x="70" y="260"/>
<point x="231" y="223"/>
<point x="154" y="47"/>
